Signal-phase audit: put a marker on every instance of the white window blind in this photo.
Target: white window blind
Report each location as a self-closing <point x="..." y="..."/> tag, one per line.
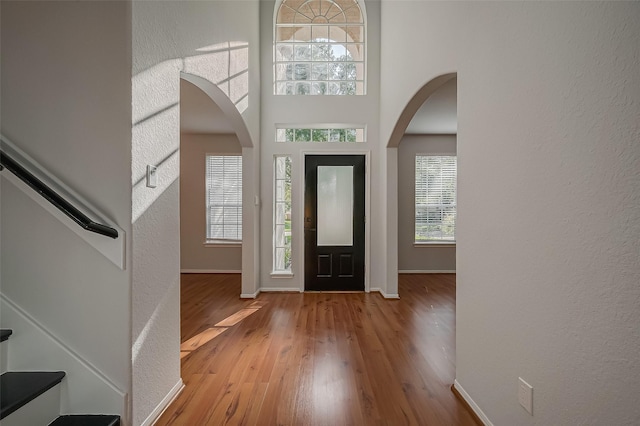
<point x="435" y="198"/>
<point x="224" y="197"/>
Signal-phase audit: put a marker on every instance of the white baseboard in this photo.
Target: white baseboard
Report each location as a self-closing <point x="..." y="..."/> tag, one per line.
<point x="250" y="296"/>
<point x="280" y="290"/>
<point x="166" y="401"/>
<point x="384" y="293"/>
<point x="476" y="409"/>
<point x="427" y="271"/>
<point x="210" y="271"/>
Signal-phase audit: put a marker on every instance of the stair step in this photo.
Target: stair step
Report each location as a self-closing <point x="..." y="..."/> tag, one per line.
<point x="86" y="420"/>
<point x="4" y="334"/>
<point x="19" y="388"/>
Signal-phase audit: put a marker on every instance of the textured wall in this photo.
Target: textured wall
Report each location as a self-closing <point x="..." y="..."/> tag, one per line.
<point x="216" y="40"/>
<point x="548" y="264"/>
<point x="66" y="102"/>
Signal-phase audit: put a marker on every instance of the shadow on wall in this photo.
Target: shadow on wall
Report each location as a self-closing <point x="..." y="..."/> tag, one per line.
<point x="155" y="243"/>
<point x="156" y="116"/>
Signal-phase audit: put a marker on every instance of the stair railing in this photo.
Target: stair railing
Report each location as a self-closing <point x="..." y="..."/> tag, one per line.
<point x="54" y="198"/>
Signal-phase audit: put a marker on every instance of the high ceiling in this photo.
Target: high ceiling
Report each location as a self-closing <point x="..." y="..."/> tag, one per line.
<point x="199" y="114"/>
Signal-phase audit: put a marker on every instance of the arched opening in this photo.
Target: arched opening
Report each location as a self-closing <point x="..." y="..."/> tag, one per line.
<point x="216" y="127"/>
<point x="424" y="142"/>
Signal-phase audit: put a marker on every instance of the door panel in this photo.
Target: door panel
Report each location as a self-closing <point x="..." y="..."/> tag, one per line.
<point x="334" y="227"/>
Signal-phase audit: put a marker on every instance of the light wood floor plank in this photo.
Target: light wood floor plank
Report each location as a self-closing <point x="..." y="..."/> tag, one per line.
<point x="318" y="359"/>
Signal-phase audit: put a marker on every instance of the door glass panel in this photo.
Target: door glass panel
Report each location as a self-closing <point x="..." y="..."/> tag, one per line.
<point x="335" y="206"/>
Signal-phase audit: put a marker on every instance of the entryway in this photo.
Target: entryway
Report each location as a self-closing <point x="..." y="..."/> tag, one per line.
<point x="334" y="222"/>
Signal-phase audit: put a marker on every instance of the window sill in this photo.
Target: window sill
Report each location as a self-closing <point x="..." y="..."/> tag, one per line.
<point x="222" y="244"/>
<point x="435" y="244"/>
<point x="282" y="274"/>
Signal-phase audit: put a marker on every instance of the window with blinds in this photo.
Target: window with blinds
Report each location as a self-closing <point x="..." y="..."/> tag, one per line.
<point x="435" y="198"/>
<point x="224" y="198"/>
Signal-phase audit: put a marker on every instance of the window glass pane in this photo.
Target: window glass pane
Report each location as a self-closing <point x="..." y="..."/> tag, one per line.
<point x="319" y="71"/>
<point x="319" y="135"/>
<point x="319" y="32"/>
<point x="337" y="34"/>
<point x="303" y="88"/>
<point x="284" y="52"/>
<point x="355" y="34"/>
<point x="335" y="211"/>
<point x="302" y="52"/>
<point x="318" y="88"/>
<point x="303" y="135"/>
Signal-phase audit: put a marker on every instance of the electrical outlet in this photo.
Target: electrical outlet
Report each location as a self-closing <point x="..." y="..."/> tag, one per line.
<point x="525" y="395"/>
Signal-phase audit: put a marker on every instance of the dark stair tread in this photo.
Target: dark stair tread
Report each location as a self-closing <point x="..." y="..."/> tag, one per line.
<point x="86" y="420"/>
<point x="19" y="388"/>
<point x="4" y="334"/>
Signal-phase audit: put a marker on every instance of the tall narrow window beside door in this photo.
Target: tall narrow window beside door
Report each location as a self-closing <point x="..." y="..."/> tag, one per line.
<point x="435" y="199"/>
<point x="224" y="198"/>
<point x="282" y="215"/>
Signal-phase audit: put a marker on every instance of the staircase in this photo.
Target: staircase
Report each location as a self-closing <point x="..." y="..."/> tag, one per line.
<point x="32" y="398"/>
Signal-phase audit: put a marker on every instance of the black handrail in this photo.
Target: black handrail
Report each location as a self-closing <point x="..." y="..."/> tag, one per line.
<point x="54" y="198"/>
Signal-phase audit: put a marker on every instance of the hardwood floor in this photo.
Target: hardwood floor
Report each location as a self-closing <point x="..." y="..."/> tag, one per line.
<point x="317" y="358"/>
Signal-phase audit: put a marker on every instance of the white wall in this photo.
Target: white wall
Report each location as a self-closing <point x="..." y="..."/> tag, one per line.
<point x="548" y="265"/>
<point x="217" y="41"/>
<point x="424" y="257"/>
<point x="194" y="255"/>
<point x="318" y="109"/>
<point x="66" y="95"/>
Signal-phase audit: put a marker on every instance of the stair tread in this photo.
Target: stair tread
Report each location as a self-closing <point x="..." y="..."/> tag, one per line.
<point x="4" y="334"/>
<point x="19" y="388"/>
<point x="86" y="420"/>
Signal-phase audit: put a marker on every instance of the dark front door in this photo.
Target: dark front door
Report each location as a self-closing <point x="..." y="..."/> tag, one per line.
<point x="334" y="222"/>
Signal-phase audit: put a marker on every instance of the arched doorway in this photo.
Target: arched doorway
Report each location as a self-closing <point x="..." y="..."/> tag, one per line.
<point x="423" y="153"/>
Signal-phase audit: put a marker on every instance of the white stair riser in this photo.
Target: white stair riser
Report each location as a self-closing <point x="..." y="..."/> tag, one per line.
<point x="39" y="412"/>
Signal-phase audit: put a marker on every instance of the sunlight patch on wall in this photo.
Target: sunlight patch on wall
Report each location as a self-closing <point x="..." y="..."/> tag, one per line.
<point x="155" y="132"/>
<point x="227" y="66"/>
<point x="156" y="112"/>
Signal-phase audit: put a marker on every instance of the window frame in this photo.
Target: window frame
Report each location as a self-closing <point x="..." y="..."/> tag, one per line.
<point x="347" y="45"/>
<point x="275" y="270"/>
<point x="210" y="241"/>
<point x="435" y="241"/>
<point x="359" y="131"/>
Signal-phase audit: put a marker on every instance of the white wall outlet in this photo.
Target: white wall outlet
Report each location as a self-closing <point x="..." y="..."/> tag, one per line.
<point x="525" y="395"/>
<point x="152" y="176"/>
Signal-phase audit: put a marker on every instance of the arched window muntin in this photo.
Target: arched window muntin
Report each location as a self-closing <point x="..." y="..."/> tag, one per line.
<point x="319" y="48"/>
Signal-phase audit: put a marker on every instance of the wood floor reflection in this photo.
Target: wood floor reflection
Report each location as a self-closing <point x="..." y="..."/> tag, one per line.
<point x="317" y="358"/>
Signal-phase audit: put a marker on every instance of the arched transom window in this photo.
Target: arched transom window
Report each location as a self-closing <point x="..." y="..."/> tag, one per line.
<point x="319" y="48"/>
